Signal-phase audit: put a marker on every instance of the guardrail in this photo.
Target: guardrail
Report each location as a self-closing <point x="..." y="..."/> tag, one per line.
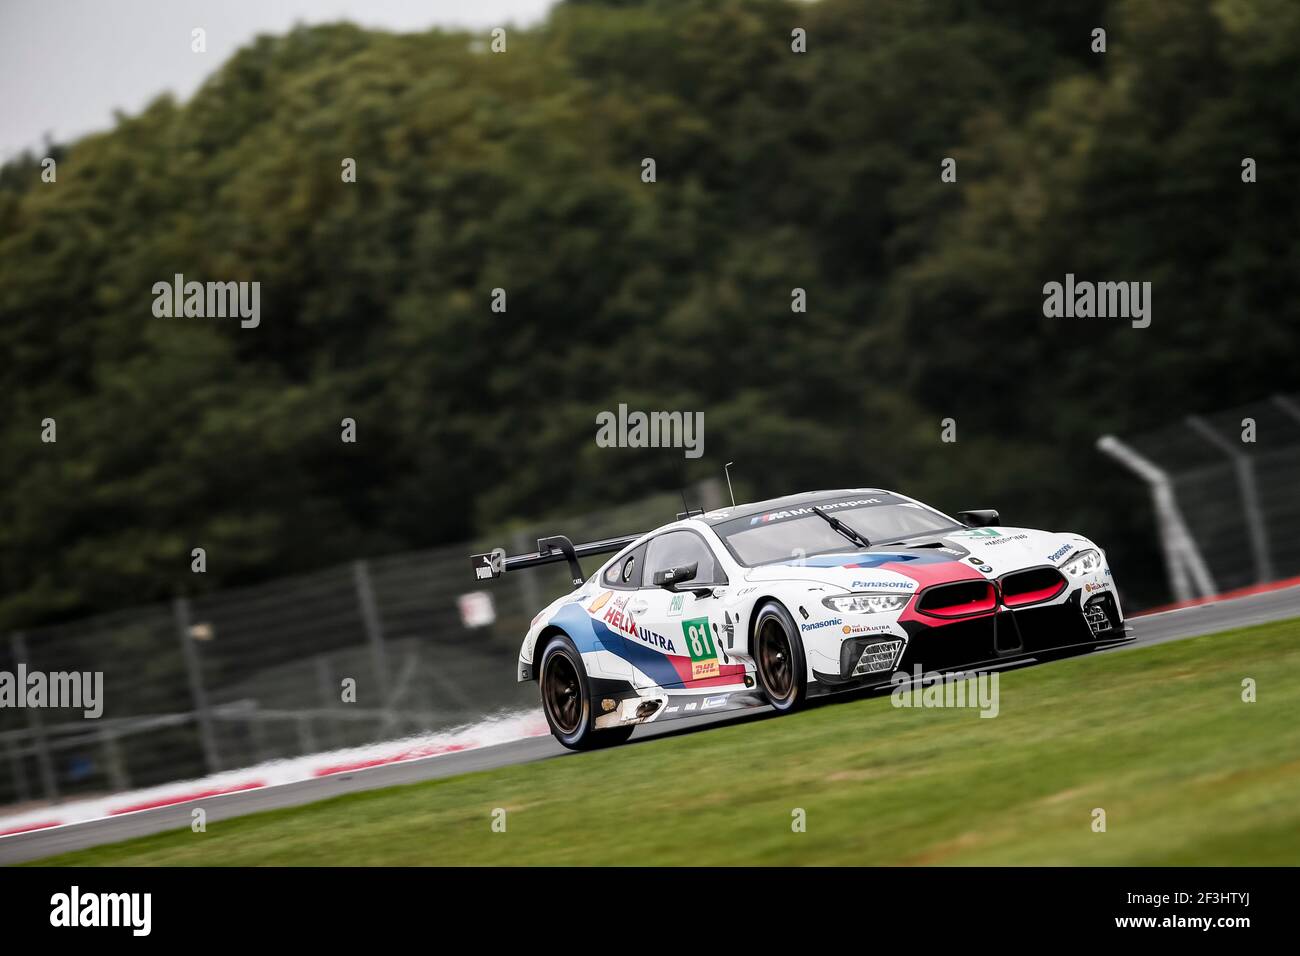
<point x="1224" y="488"/>
<point x="371" y="651"/>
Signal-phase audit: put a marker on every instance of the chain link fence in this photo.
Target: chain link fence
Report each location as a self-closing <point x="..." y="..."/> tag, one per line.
<point x="238" y="677"/>
<point x="1225" y="488"/>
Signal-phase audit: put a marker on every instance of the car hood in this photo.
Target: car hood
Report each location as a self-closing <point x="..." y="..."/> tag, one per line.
<point x="919" y="562"/>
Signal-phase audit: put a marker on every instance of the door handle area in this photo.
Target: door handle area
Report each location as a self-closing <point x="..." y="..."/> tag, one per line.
<point x="638" y="607"/>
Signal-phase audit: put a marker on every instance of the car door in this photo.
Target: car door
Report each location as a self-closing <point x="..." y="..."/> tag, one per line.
<point x="684" y="623"/>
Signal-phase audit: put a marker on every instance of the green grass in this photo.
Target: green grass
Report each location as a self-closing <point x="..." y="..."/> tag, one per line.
<point x="1159" y="737"/>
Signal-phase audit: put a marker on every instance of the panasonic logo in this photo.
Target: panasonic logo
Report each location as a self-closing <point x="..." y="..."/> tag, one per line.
<point x="819" y="624"/>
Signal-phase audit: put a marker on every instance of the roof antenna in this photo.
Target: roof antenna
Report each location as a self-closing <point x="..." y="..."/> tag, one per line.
<point x="726" y="469"/>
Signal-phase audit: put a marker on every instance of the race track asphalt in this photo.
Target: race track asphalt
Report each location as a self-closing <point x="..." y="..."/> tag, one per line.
<point x="1152" y="629"/>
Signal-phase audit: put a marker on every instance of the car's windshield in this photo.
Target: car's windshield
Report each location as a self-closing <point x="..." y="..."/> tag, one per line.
<point x="799" y="532"/>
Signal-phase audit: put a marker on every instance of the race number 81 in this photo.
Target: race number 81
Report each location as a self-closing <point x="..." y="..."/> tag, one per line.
<point x="699" y="642"/>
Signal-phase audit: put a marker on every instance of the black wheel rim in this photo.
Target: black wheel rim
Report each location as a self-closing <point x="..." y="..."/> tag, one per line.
<point x="562" y="694"/>
<point x="774" y="659"/>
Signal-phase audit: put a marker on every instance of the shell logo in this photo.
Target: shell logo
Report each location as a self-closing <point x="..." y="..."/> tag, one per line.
<point x="600" y="602"/>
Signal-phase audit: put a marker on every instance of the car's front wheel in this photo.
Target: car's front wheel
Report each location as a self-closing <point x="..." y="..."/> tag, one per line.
<point x="779" y="658"/>
<point x="566" y="699"/>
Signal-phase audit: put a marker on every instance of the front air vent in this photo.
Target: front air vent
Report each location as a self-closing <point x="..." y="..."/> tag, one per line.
<point x="1034" y="586"/>
<point x="957" y="600"/>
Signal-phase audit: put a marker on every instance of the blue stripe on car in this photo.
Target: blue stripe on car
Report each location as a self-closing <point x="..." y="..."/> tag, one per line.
<point x="589" y="634"/>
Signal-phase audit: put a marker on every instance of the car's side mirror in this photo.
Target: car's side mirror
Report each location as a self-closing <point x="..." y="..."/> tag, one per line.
<point x="979" y="519"/>
<point x="669" y="578"/>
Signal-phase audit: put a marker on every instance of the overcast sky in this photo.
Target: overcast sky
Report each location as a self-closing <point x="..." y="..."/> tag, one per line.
<point x="66" y="65"/>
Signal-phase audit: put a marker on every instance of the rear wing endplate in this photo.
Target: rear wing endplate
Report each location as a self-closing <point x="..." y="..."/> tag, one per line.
<point x="550" y="550"/>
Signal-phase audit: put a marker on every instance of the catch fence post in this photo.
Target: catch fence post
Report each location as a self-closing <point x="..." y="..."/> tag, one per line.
<point x="1187" y="570"/>
<point x="18" y="641"/>
<point x="373" y="625"/>
<point x="198" y="694"/>
<point x="1256" y="528"/>
<point x="19" y="771"/>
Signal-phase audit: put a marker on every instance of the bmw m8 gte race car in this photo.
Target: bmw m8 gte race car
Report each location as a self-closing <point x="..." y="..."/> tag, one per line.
<point x="780" y="600"/>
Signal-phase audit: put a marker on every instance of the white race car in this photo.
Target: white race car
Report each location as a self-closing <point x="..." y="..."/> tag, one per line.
<point x="771" y="602"/>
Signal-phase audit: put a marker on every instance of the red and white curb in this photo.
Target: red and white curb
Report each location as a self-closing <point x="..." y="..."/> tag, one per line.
<point x="277" y="773"/>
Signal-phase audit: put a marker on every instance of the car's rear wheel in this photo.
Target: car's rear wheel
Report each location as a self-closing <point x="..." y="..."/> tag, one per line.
<point x="566" y="699"/>
<point x="779" y="658"/>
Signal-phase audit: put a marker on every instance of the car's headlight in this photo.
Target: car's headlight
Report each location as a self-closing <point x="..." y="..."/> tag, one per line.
<point x="866" y="602"/>
<point x="1085" y="562"/>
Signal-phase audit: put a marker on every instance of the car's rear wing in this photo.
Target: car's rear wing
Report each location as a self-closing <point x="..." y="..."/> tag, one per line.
<point x="550" y="550"/>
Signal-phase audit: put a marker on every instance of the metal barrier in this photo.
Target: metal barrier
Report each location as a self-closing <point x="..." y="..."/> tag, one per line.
<point x="1225" y="489"/>
<point x="238" y="677"/>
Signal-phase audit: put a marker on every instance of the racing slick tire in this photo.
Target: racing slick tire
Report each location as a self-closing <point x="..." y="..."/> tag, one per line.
<point x="566" y="699"/>
<point x="779" y="658"/>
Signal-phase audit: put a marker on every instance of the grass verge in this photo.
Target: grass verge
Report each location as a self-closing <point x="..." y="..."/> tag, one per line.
<point x="1158" y="737"/>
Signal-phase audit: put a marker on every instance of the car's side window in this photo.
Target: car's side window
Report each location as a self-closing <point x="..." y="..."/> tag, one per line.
<point x="676" y="549"/>
<point x="626" y="571"/>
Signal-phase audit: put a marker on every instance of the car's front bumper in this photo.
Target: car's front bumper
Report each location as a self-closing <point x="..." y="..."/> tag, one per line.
<point x="1082" y="619"/>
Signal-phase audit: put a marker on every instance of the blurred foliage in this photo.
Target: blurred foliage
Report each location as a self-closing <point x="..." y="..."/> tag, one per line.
<point x="522" y="171"/>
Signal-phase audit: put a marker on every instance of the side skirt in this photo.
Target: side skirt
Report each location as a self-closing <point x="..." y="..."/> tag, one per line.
<point x="655" y="705"/>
